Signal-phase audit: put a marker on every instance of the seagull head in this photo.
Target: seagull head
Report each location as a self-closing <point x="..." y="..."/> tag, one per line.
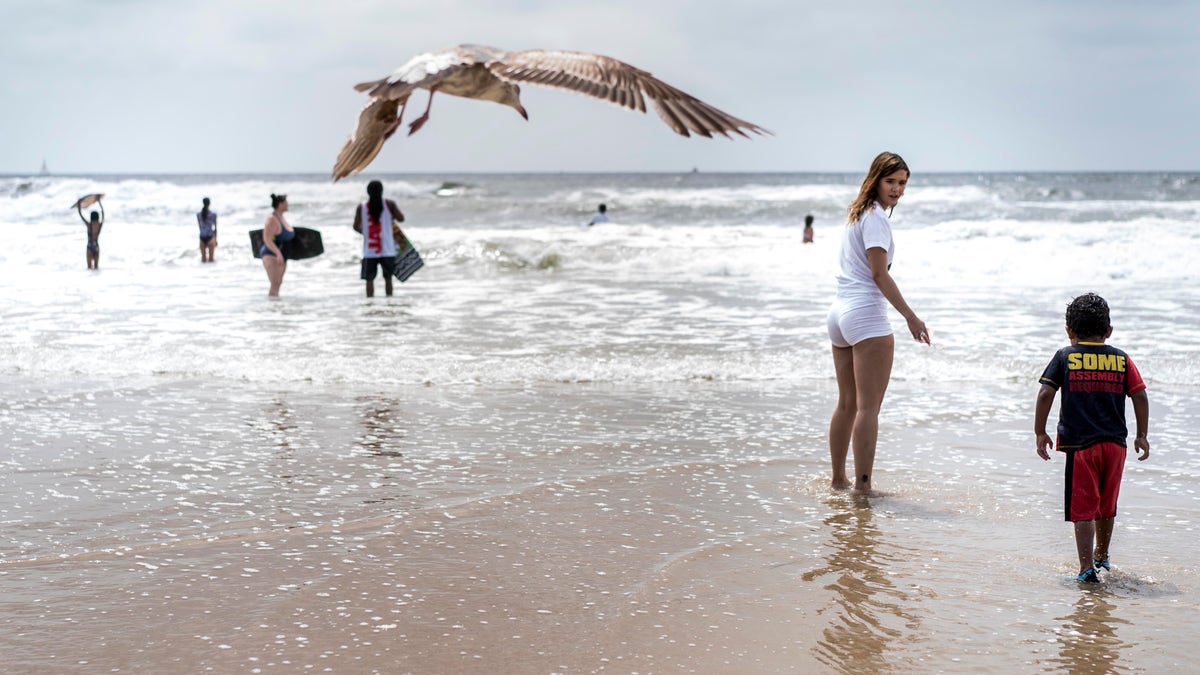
<point x="511" y="97"/>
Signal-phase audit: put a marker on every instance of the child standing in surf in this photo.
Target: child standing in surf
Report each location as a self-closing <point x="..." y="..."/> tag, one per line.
<point x="1094" y="379"/>
<point x="93" y="233"/>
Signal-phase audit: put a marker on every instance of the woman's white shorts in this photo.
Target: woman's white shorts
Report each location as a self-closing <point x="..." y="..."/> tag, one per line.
<point x="850" y="326"/>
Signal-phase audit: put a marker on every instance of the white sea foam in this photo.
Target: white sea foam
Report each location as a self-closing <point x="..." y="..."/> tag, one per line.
<point x="690" y="281"/>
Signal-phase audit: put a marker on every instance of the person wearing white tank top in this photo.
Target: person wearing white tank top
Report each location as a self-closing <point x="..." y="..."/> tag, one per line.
<point x="376" y="219"/>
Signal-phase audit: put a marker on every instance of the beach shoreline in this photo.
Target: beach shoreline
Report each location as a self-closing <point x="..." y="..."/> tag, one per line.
<point x="699" y="536"/>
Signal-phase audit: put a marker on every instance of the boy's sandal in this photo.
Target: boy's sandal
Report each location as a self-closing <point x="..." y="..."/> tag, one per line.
<point x="1097" y="564"/>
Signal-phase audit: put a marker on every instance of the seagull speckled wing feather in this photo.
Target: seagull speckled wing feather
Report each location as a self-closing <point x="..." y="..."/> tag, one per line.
<point x="601" y="77"/>
<point x="613" y="80"/>
<point x="375" y="120"/>
<point x="700" y="117"/>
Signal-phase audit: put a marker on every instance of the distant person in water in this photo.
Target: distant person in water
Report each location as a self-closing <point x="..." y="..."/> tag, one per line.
<point x="275" y="232"/>
<point x="600" y="217"/>
<point x="377" y="220"/>
<point x="207" y="219"/>
<point x="808" y="229"/>
<point x="93" y="235"/>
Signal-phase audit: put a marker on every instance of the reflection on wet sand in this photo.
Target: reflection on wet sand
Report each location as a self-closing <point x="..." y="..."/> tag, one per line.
<point x="282" y="425"/>
<point x="858" y="636"/>
<point x="382" y="425"/>
<point x="1088" y="640"/>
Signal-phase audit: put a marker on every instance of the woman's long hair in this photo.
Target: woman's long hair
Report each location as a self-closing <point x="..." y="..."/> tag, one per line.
<point x="885" y="164"/>
<point x="375" y="199"/>
<point x="204" y="211"/>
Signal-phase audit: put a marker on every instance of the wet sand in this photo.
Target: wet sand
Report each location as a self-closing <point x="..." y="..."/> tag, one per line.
<point x="672" y="529"/>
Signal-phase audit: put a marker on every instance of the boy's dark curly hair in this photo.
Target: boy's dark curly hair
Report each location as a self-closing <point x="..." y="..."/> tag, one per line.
<point x="1087" y="316"/>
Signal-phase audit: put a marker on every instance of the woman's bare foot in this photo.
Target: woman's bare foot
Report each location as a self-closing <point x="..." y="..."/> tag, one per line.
<point x="843" y="484"/>
<point x="869" y="492"/>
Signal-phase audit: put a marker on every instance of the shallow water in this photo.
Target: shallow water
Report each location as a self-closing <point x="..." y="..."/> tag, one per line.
<point x="561" y="449"/>
<point x="563" y="528"/>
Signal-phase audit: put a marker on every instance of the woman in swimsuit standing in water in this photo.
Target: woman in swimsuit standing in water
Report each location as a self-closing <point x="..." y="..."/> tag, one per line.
<point x="858" y="324"/>
<point x="93" y="234"/>
<point x="275" y="231"/>
<point x="207" y="219"/>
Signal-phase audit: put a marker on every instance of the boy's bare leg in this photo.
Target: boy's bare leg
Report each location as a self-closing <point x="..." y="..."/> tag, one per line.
<point x="370" y="288"/>
<point x="1085" y="534"/>
<point x="1104" y="530"/>
<point x="842" y="422"/>
<point x="387" y="285"/>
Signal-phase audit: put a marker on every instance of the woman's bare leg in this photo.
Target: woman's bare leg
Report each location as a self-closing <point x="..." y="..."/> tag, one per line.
<point x="275" y="268"/>
<point x="872" y="364"/>
<point x="842" y="423"/>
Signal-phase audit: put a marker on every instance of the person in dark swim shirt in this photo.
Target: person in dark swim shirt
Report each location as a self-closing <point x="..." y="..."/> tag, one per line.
<point x="1094" y="378"/>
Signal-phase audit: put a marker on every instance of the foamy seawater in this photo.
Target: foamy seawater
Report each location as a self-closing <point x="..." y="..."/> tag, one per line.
<point x="566" y="449"/>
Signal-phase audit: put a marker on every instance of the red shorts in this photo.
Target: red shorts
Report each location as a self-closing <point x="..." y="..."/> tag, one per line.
<point x="1094" y="481"/>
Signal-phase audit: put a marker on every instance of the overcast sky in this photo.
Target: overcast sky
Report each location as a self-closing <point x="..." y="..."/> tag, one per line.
<point x="149" y="86"/>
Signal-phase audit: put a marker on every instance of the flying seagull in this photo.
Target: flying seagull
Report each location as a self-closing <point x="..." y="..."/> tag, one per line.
<point x="490" y="74"/>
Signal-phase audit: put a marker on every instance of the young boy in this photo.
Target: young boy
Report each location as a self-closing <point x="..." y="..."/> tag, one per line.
<point x="1095" y="379"/>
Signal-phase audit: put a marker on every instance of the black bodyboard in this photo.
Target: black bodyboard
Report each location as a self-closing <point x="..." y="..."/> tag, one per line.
<point x="306" y="244"/>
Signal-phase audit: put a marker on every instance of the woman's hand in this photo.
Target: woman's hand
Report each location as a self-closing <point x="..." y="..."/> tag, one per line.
<point x="919" y="332"/>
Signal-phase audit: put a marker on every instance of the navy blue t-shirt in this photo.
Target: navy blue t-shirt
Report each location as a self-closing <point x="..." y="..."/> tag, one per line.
<point x="1094" y="379"/>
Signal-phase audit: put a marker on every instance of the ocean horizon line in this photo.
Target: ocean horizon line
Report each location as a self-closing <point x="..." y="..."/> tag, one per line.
<point x="830" y="172"/>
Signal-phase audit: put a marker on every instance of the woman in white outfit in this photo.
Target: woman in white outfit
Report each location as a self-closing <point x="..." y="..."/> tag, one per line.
<point x="858" y="324"/>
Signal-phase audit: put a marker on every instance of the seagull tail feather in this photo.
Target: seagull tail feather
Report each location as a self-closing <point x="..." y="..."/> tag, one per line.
<point x="366" y="86"/>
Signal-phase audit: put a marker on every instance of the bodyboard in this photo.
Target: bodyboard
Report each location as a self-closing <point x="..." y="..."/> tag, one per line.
<point x="306" y="244"/>
<point x="87" y="201"/>
<point x="408" y="261"/>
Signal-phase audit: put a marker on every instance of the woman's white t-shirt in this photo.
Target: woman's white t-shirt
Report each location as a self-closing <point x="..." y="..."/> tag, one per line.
<point x="855" y="284"/>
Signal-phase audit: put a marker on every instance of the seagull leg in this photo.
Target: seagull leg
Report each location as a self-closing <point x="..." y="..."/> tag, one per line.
<point x="420" y="121"/>
<point x="395" y="124"/>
